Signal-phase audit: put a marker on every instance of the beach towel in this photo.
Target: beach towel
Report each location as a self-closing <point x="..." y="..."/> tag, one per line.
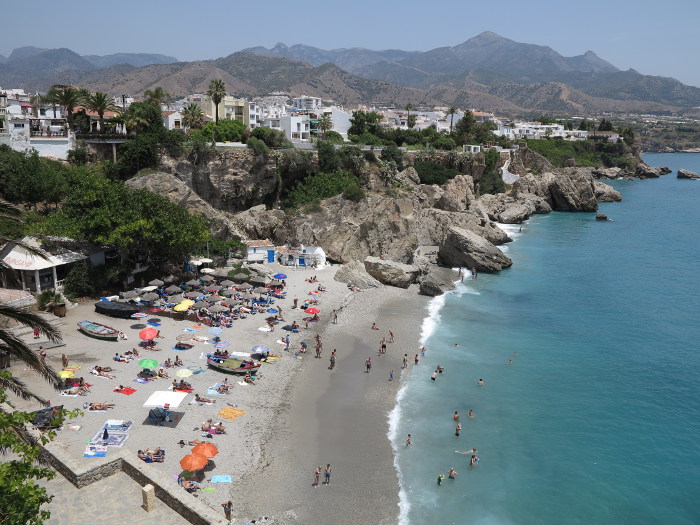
<point x="73" y="367"/>
<point x="208" y="489"/>
<point x="153" y="325"/>
<point x="95" y="411"/>
<point x="116" y="439"/>
<point x="214" y="392"/>
<point x="142" y="380"/>
<point x="195" y="402"/>
<point x="189" y="330"/>
<point x="231" y="413"/>
<point x="95" y="451"/>
<point x="68" y="395"/>
<point x="117" y="425"/>
<point x="242" y="383"/>
<point x="221" y="479"/>
<point x="127" y="390"/>
<point x="265" y="329"/>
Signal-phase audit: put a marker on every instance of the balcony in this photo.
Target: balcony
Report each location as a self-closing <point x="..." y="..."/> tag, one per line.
<point x="48" y="134"/>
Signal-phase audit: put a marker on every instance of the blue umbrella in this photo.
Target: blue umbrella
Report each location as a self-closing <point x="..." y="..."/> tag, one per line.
<point x="279" y="276"/>
<point x="215" y="330"/>
<point x="260" y="349"/>
<point x="272" y="311"/>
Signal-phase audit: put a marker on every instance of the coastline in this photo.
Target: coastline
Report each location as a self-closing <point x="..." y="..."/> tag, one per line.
<point x="340" y="417"/>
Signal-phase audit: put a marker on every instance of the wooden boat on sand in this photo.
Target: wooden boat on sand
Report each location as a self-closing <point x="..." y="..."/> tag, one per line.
<point x="233" y="365"/>
<point x="98" y="331"/>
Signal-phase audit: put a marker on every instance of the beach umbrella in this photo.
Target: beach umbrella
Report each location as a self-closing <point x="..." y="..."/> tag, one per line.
<point x="170" y="279"/>
<point x="155" y="310"/>
<point x="156" y="283"/>
<point x="148" y="288"/>
<point x="240" y="276"/>
<point x="148" y="333"/>
<point x="208" y="450"/>
<point x="260" y="349"/>
<point x="246" y="286"/>
<point x="148" y="363"/>
<point x="218" y="308"/>
<point x="183" y="373"/>
<point x="184" y="337"/>
<point x="258" y="280"/>
<point x="222" y="344"/>
<point x="227" y="282"/>
<point x="215" y="330"/>
<point x="231" y="302"/>
<point x="173" y="289"/>
<point x="260" y="289"/>
<point x="207" y="270"/>
<point x="193" y="462"/>
<point x="221" y="272"/>
<point x="183" y="305"/>
<point x="193" y="282"/>
<point x="137" y="326"/>
<point x="177" y="298"/>
<point x="213" y="287"/>
<point x="139" y="315"/>
<point x="279" y="276"/>
<point x="272" y="311"/>
<point x="312" y="311"/>
<point x="150" y="296"/>
<point x="66" y="373"/>
<point x="206" y="278"/>
<point x="192" y="295"/>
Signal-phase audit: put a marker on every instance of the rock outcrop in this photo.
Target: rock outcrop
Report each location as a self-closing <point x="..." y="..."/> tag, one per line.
<point x="258" y="222"/>
<point x="354" y="273"/>
<point x="606" y="193"/>
<point x="392" y="273"/>
<point x="644" y="171"/>
<point x="436" y="282"/>
<point x="569" y="189"/>
<point x="608" y="173"/>
<point x="465" y="248"/>
<point x="457" y="194"/>
<point x="177" y="192"/>
<point x="687" y="174"/>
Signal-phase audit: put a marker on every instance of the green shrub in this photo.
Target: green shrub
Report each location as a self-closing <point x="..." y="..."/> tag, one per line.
<point x="78" y="156"/>
<point x="258" y="146"/>
<point x="333" y="137"/>
<point x="391" y="152"/>
<point x="354" y="193"/>
<point x="272" y="138"/>
<point x="78" y="282"/>
<point x="433" y="173"/>
<point x="318" y="187"/>
<point x="328" y="158"/>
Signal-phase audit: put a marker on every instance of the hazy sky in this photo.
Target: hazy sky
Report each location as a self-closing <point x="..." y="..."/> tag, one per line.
<point x="653" y="37"/>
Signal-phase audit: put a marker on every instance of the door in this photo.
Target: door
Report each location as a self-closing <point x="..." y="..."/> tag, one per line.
<point x="270" y="256"/>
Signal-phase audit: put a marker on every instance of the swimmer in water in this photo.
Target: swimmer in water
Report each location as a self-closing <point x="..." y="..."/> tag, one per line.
<point x="470" y="413"/>
<point x="473" y="461"/>
<point x="467" y="452"/>
<point x="452" y="473"/>
<point x="480" y="382"/>
<point x="456" y="416"/>
<point x="440" y="478"/>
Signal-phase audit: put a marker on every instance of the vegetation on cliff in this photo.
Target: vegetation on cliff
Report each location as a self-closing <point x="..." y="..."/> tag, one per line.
<point x="593" y="153"/>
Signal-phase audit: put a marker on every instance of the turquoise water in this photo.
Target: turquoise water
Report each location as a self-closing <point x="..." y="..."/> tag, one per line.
<point x="597" y="421"/>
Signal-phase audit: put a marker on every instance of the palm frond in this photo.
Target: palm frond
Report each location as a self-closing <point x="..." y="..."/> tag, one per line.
<point x="32" y="320"/>
<point x="20" y="389"/>
<point x="21" y="432"/>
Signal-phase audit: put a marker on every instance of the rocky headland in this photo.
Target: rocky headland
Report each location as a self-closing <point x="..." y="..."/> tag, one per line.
<point x="378" y="237"/>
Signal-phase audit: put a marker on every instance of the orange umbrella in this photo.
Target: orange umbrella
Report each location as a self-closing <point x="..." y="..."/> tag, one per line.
<point x="148" y="333"/>
<point x="193" y="462"/>
<point x="208" y="450"/>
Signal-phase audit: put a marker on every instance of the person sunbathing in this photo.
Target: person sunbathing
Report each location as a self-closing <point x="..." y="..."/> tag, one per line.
<point x="315" y="317"/>
<point x="97" y="372"/>
<point x="219" y="428"/>
<point x="206" y="426"/>
<point x="134" y="352"/>
<point x="191" y="486"/>
<point x="149" y="457"/>
<point x="321" y="288"/>
<point x="100" y="406"/>
<point x="200" y="399"/>
<point x="248" y="378"/>
<point x="184" y="385"/>
<point x="104" y="368"/>
<point x="77" y="390"/>
<point x="162" y="373"/>
<point x="178" y="361"/>
<point x="223" y="389"/>
<point x="168" y="363"/>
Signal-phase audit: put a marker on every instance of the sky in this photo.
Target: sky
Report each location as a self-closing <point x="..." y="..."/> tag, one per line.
<point x="654" y="38"/>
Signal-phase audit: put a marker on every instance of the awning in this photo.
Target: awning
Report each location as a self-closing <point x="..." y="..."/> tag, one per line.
<point x="162" y="397"/>
<point x="21" y="259"/>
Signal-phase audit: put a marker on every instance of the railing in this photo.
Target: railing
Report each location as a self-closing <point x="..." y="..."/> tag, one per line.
<point x="49" y="134"/>
<point x="101" y="136"/>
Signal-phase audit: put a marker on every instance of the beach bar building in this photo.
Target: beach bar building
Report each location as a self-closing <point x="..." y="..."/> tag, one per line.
<point x="260" y="251"/>
<point x="36" y="273"/>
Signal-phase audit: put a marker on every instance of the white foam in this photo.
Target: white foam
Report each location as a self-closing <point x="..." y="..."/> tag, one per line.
<point x="393" y="419"/>
<point x="431" y="321"/>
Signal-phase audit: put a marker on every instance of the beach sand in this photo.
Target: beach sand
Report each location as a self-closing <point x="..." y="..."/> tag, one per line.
<point x="300" y="414"/>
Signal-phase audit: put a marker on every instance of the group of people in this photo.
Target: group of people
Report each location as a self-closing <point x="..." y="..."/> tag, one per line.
<point x="326" y="475"/>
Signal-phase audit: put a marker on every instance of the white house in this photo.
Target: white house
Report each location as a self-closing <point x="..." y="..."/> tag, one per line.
<point x="260" y="251"/>
<point x="301" y="256"/>
<point x="308" y="103"/>
<point x="172" y="120"/>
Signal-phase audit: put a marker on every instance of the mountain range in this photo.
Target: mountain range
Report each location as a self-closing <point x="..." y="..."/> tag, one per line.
<point x="487" y="72"/>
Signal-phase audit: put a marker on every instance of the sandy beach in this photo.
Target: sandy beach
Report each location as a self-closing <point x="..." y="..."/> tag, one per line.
<point x="298" y="416"/>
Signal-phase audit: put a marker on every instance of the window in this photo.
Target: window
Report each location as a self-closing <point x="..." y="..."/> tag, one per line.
<point x="177" y="124"/>
<point x="19" y="125"/>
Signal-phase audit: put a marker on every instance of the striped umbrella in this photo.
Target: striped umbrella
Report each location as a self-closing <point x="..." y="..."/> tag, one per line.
<point x="215" y="330"/>
<point x="222" y="344"/>
<point x="260" y="349"/>
<point x="139" y="315"/>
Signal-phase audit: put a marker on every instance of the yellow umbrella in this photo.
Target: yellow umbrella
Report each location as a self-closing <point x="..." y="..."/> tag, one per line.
<point x="66" y="373"/>
<point x="184" y="305"/>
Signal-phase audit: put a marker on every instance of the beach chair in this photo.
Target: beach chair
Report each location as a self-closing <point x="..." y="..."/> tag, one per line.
<point x="105" y="300"/>
<point x="158" y="415"/>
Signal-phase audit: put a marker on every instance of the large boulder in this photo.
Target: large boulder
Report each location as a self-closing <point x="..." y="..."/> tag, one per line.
<point x="408" y="177"/>
<point x="644" y="171"/>
<point x="258" y="222"/>
<point x="392" y="273"/>
<point x="687" y="174"/>
<point x="507" y="210"/>
<point x="177" y="192"/>
<point x="608" y="173"/>
<point x="465" y="248"/>
<point x="568" y="189"/>
<point x="458" y="194"/>
<point x="606" y="193"/>
<point x="436" y="282"/>
<point x="354" y="273"/>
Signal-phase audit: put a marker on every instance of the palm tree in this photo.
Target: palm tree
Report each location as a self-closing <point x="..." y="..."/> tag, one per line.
<point x="9" y="315"/>
<point x="451" y="112"/>
<point x="136" y="117"/>
<point x="50" y="100"/>
<point x="217" y="92"/>
<point x="68" y="98"/>
<point x="192" y="116"/>
<point x="156" y="96"/>
<point x="325" y="123"/>
<point x="100" y="103"/>
<point x="408" y="108"/>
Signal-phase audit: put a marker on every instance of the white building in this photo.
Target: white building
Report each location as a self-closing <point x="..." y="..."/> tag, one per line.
<point x="307" y="103"/>
<point x="4" y="123"/>
<point x="172" y="120"/>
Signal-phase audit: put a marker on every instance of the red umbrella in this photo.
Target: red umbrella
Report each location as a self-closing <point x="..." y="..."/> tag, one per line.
<point x="147" y="334"/>
<point x="208" y="450"/>
<point x="312" y="311"/>
<point x="193" y="462"/>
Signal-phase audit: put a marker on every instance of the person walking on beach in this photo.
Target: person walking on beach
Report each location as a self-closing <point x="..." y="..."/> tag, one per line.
<point x="474" y="272"/>
<point x="458" y="429"/>
<point x="391" y="375"/>
<point x="332" y="360"/>
<point x="228" y="506"/>
<point x="64" y="361"/>
<point x="415" y="360"/>
<point x="422" y="351"/>
<point x="391" y="336"/>
<point x="327" y="474"/>
<point x="382" y="346"/>
<point x="368" y="364"/>
<point x="405" y="361"/>
<point x="317" y="477"/>
<point x="296" y="303"/>
<point x="42" y="355"/>
<point x="335" y="316"/>
<point x="36" y="333"/>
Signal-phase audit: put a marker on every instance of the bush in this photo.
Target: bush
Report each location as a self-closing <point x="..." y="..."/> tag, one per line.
<point x="354" y="193"/>
<point x="78" y="156"/>
<point x="258" y="146"/>
<point x="318" y="187"/>
<point x="272" y="138"/>
<point x="328" y="159"/>
<point x="433" y="173"/>
<point x="333" y="137"/>
<point x="78" y="282"/>
<point x="390" y="153"/>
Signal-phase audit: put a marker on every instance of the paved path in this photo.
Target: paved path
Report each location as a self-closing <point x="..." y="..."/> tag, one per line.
<point x="116" y="499"/>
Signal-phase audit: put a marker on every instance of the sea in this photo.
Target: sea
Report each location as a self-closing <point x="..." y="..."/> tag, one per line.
<point x="597" y="418"/>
